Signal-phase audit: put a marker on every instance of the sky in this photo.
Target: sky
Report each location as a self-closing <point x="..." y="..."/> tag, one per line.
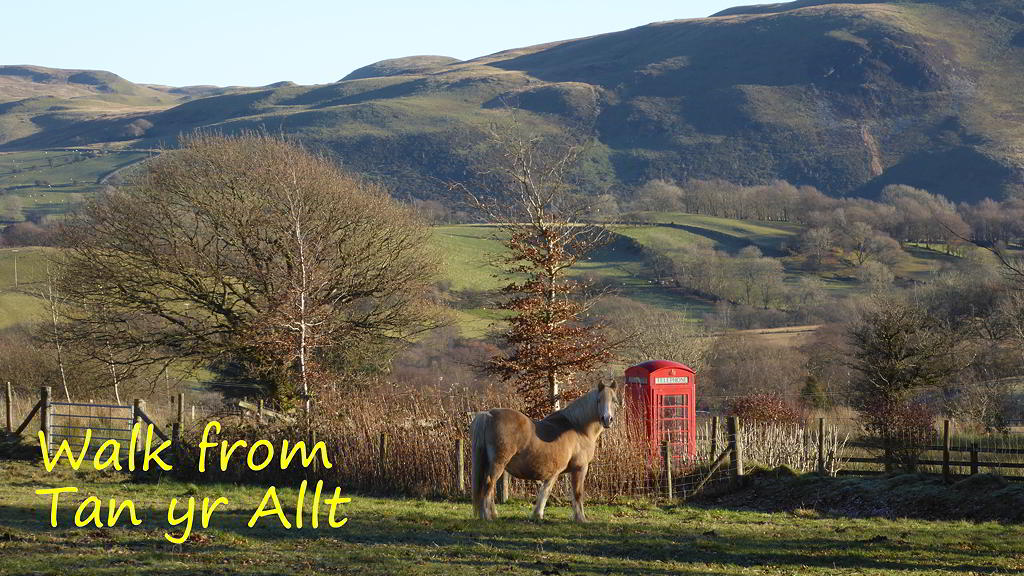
<point x="257" y="42"/>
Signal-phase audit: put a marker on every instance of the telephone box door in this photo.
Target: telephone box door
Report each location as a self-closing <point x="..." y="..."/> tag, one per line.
<point x="672" y="421"/>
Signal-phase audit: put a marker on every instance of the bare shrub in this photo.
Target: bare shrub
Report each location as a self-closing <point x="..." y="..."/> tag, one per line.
<point x="794" y="446"/>
<point x="744" y="365"/>
<point x="900" y="430"/>
<point x="766" y="409"/>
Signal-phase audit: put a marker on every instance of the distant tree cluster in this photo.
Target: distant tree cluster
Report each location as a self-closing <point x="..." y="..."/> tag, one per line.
<point x="903" y="213"/>
<point x="748" y="278"/>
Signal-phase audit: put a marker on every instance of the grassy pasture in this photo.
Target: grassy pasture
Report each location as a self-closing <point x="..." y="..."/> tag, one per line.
<point x="732" y="235"/>
<point x="419" y="537"/>
<point x="43" y="180"/>
<point x="469" y="254"/>
<point x="22" y="305"/>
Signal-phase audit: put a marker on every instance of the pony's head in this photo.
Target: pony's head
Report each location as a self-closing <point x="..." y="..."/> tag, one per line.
<point x="607" y="402"/>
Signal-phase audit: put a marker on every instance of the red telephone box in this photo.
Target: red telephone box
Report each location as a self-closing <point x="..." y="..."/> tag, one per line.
<point x="663" y="393"/>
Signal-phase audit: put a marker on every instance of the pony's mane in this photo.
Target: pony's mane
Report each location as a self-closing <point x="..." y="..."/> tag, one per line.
<point x="582" y="410"/>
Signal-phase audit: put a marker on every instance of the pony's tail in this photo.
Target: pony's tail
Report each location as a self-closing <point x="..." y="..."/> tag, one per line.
<point x="478" y="443"/>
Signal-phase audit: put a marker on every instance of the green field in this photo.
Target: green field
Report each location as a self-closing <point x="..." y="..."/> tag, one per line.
<point x="22" y="304"/>
<point x="732" y="235"/>
<point x="388" y="536"/>
<point x="470" y="252"/>
<point x="50" y="181"/>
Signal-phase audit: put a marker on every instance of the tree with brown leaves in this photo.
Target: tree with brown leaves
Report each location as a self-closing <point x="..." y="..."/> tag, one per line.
<point x="542" y="227"/>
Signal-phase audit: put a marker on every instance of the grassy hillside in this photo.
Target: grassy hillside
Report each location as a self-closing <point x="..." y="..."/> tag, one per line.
<point x="732" y="235"/>
<point x="23" y="82"/>
<point x="34" y="99"/>
<point x="22" y="303"/>
<point x="845" y="96"/>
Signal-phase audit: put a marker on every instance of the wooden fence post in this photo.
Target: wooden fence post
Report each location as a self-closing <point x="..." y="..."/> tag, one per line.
<point x="714" y="438"/>
<point x="821" y="446"/>
<point x="312" y="443"/>
<point x="10" y="408"/>
<point x="946" y="472"/>
<point x="193" y="412"/>
<point x="974" y="458"/>
<point x="45" y="421"/>
<point x="736" y="446"/>
<point x="179" y="423"/>
<point x="667" y="452"/>
<point x="137" y="406"/>
<point x="460" y="464"/>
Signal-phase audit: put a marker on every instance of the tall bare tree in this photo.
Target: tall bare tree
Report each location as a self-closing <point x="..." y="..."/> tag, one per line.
<point x="543" y="228"/>
<point x="248" y="252"/>
<point x="55" y="305"/>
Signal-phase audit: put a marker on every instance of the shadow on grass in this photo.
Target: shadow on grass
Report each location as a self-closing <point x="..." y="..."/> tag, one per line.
<point x="551" y="547"/>
<point x="981" y="497"/>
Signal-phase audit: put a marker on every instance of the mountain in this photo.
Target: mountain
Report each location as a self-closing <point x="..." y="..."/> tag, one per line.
<point x="846" y="96"/>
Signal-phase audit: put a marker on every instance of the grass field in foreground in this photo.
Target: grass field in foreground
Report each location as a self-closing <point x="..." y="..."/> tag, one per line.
<point x="418" y="537"/>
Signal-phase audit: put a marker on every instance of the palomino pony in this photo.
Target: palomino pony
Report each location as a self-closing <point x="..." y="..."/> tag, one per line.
<point x="507" y="440"/>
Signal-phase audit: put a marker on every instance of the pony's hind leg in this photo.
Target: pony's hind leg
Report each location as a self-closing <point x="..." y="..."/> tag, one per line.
<point x="542" y="497"/>
<point x="478" y="431"/>
<point x="491" y="479"/>
<point x="579" y="476"/>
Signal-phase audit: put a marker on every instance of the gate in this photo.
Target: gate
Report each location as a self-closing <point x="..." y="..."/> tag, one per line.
<point x="70" y="420"/>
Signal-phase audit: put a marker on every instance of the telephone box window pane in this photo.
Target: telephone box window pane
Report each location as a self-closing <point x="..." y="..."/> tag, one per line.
<point x="674" y="400"/>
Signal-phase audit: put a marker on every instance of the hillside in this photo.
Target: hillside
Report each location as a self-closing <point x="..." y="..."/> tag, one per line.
<point x="847" y="97"/>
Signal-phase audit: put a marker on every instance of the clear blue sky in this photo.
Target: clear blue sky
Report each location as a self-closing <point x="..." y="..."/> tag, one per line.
<point x="257" y="42"/>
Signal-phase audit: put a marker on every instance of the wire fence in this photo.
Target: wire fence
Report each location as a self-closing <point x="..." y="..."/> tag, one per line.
<point x="940" y="446"/>
<point x="391" y="442"/>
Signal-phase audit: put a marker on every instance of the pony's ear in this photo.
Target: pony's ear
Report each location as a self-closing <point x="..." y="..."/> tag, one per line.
<point x="612" y="385"/>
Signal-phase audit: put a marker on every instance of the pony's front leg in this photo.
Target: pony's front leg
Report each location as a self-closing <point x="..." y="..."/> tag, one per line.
<point x="578" y="477"/>
<point x="542" y="497"/>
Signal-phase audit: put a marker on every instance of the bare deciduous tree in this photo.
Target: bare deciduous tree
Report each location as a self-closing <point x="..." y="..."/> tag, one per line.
<point x="897" y="348"/>
<point x="649" y="333"/>
<point x="248" y="252"/>
<point x="55" y="306"/>
<point x="817" y="244"/>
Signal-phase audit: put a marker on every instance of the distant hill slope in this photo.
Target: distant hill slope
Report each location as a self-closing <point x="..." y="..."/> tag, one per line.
<point x="401" y="66"/>
<point x="20" y="82"/>
<point x="847" y="97"/>
<point x="35" y="100"/>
